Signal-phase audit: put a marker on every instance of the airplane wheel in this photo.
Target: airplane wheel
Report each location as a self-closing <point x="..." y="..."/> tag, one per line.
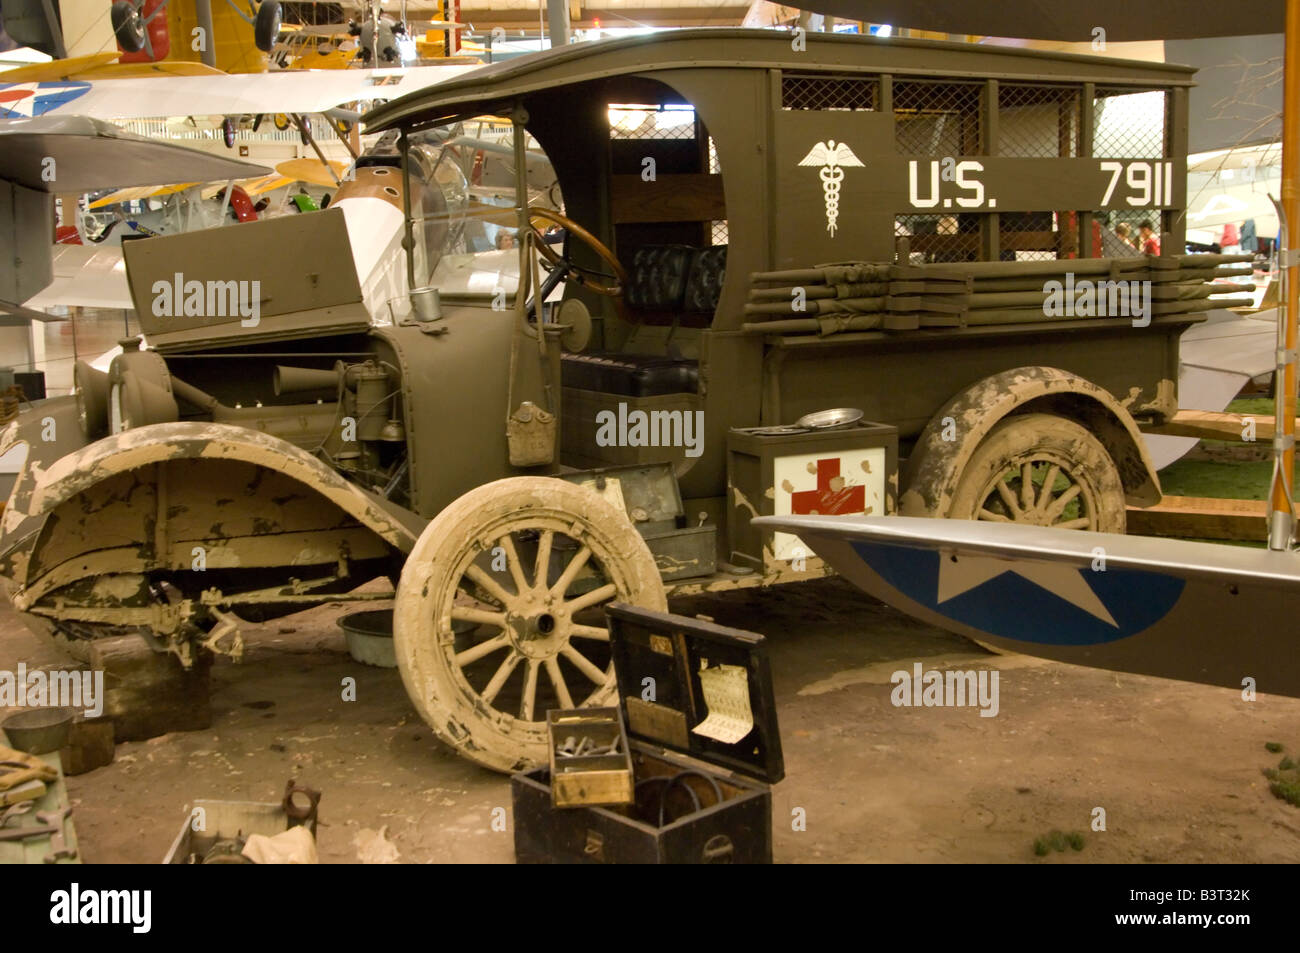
<point x="498" y="613"/>
<point x="228" y="132"/>
<point x="342" y="125"/>
<point x="281" y="121"/>
<point x="266" y="27"/>
<point x="128" y="27"/>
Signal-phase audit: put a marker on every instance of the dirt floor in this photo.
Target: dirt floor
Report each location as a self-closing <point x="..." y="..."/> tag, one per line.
<point x="1175" y="766"/>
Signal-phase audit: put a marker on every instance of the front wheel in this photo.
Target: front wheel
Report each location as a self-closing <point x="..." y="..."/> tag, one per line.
<point x="1042" y="470"/>
<point x="498" y="616"/>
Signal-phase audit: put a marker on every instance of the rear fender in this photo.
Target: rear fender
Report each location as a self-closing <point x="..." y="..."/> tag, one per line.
<point x="945" y="446"/>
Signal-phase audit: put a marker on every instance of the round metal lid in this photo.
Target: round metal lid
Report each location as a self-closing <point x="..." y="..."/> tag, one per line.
<point x="830" y="419"/>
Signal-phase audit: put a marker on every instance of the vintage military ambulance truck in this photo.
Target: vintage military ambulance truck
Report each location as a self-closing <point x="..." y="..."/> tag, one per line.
<point x="774" y="273"/>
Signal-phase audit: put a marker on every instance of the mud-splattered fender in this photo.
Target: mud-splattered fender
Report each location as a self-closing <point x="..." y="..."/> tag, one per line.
<point x="40" y="489"/>
<point x="936" y="463"/>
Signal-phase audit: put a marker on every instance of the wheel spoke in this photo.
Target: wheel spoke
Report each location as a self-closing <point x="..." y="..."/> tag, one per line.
<point x="571" y="571"/>
<point x="589" y="599"/>
<point x="1027" y="485"/>
<point x="584" y="664"/>
<point x="530" y="690"/>
<point x="588" y="632"/>
<point x="1049" y="483"/>
<point x="1008" y="498"/>
<point x="557" y="680"/>
<point x="543" y="558"/>
<point x="499" y="679"/>
<point x="994" y="517"/>
<point x="512" y="563"/>
<point x="1082" y="523"/>
<point x="1061" y="502"/>
<point x="486" y="647"/>
<point x="478" y="616"/>
<point x="493" y="588"/>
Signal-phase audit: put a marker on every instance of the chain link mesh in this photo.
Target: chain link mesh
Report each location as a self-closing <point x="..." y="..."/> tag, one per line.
<point x="1038" y="236"/>
<point x="829" y="92"/>
<point x="938" y="119"/>
<point x="937" y="238"/>
<point x="1038" y="122"/>
<point x="1128" y="124"/>
<point x="1117" y="233"/>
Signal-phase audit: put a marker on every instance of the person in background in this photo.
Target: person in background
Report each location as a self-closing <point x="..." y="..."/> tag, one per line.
<point x="1231" y="241"/>
<point x="1150" y="245"/>
<point x="1125" y="232"/>
<point x="505" y="240"/>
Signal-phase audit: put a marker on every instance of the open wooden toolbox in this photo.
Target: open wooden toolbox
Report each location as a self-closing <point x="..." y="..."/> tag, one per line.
<point x="697" y="703"/>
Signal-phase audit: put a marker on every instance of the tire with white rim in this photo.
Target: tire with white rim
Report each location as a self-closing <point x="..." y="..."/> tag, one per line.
<point x="499" y="613"/>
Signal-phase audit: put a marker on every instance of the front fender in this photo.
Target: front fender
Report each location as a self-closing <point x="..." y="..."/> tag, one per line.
<point x="41" y="490"/>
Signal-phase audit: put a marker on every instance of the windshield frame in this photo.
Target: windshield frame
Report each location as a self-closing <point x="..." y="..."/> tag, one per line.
<point x="517" y="117"/>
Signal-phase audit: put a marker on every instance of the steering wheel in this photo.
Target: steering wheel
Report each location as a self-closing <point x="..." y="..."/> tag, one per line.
<point x="596" y="281"/>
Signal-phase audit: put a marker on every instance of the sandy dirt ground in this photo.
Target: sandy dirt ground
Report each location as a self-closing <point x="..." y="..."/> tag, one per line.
<point x="1176" y="767"/>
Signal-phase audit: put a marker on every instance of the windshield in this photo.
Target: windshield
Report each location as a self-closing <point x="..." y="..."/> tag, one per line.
<point x="465" y="205"/>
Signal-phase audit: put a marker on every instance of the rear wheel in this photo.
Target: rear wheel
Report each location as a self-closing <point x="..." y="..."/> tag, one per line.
<point x="498" y="615"/>
<point x="1042" y="470"/>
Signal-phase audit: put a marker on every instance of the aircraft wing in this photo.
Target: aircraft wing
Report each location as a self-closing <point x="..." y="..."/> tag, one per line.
<point x="1217" y="358"/>
<point x="290" y="91"/>
<point x="79" y="154"/>
<point x="1201" y="612"/>
<point x="86" y="276"/>
<point x="71" y="154"/>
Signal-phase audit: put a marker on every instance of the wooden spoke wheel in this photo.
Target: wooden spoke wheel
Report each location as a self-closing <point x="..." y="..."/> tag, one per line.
<point x="1042" y="470"/>
<point x="499" y="613"/>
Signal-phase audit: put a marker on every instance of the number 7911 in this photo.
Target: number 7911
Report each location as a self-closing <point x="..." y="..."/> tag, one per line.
<point x="1148" y="183"/>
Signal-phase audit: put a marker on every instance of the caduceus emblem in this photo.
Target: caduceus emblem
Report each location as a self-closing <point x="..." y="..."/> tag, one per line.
<point x="833" y="158"/>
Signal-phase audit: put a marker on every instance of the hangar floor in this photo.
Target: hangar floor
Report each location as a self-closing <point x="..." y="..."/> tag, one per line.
<point x="1175" y="766"/>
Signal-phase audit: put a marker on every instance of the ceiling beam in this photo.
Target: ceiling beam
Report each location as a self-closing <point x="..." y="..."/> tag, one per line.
<point x="609" y="17"/>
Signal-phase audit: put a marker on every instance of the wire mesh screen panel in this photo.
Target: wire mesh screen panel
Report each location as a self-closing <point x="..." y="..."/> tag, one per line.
<point x="630" y="121"/>
<point x="1039" y="122"/>
<point x="1128" y="124"/>
<point x="717" y="229"/>
<point x="938" y="119"/>
<point x="829" y="92"/>
<point x="1038" y="236"/>
<point x="1118" y="233"/>
<point x="937" y="238"/>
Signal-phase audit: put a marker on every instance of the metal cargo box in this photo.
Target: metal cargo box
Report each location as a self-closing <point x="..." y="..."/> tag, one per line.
<point x="697" y="702"/>
<point x="780" y="471"/>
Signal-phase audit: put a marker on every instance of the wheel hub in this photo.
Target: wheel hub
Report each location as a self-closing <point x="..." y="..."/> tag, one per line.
<point x="535" y="628"/>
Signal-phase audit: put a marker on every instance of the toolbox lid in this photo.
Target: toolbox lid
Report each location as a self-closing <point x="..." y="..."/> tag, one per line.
<point x="711" y="691"/>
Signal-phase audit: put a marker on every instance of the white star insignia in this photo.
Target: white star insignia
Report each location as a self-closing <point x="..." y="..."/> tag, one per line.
<point x="963" y="573"/>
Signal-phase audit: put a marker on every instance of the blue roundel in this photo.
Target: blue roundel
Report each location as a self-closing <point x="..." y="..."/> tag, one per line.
<point x="1102" y="606"/>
